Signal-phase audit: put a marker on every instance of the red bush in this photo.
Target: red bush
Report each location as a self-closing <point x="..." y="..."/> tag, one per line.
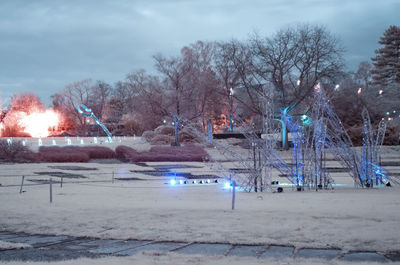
<point x="187" y="153"/>
<point x="125" y="153"/>
<point x="73" y="153"/>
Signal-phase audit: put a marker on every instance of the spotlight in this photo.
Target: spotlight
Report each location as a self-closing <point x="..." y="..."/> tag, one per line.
<point x="173" y="182"/>
<point x="200" y="182"/>
<point x="181" y="182"/>
<point x="194" y="182"/>
<point x="185" y="182"/>
<point x="216" y="181"/>
<point x="228" y="185"/>
<point x="207" y="181"/>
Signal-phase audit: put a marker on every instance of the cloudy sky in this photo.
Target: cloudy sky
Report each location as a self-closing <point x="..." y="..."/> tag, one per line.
<point x="46" y="44"/>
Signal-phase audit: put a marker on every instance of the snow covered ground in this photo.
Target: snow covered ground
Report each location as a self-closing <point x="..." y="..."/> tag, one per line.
<point x="150" y="208"/>
<point x="154" y="258"/>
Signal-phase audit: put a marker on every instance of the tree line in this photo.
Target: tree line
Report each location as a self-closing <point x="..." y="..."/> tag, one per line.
<point x="208" y="80"/>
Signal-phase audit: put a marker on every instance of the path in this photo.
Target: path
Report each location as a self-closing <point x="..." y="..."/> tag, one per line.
<point x="54" y="248"/>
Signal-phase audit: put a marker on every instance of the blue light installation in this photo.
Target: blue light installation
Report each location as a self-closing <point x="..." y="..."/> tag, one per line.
<point x="88" y="113"/>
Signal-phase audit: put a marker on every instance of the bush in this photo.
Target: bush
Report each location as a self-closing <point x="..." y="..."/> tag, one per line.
<point x="15" y="152"/>
<point x="74" y="153"/>
<point x="161" y="140"/>
<point x="187" y="153"/>
<point x="57" y="157"/>
<point x="148" y="135"/>
<point x="98" y="152"/>
<point x="125" y="153"/>
<point x="165" y="130"/>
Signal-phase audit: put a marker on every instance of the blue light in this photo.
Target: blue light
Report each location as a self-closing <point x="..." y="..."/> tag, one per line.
<point x="387" y="113"/>
<point x="173" y="182"/>
<point x="181" y="182"/>
<point x="207" y="181"/>
<point x="194" y="182"/>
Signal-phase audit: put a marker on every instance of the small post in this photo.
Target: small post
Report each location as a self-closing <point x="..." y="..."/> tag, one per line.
<point x="51" y="190"/>
<point x="22" y="185"/>
<point x="233" y="194"/>
<point x="113" y="177"/>
<point x="61" y="181"/>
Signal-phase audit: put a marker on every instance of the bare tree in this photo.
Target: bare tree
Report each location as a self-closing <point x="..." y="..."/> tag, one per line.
<point x="75" y="94"/>
<point x="99" y="95"/>
<point x="175" y="70"/>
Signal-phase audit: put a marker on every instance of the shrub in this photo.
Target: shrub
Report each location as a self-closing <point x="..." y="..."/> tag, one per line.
<point x="15" y="152"/>
<point x="148" y="135"/>
<point x="57" y="157"/>
<point x="161" y="140"/>
<point x="125" y="153"/>
<point x="98" y="152"/>
<point x="74" y="153"/>
<point x="187" y="153"/>
<point x="165" y="130"/>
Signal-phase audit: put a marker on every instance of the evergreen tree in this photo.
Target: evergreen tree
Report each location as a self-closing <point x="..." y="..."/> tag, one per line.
<point x="387" y="61"/>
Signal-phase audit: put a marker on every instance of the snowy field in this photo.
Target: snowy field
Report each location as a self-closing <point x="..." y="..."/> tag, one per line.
<point x="149" y="208"/>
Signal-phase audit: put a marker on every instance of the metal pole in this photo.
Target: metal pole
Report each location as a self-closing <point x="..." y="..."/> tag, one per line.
<point x="61" y="181"/>
<point x="51" y="190"/>
<point x="255" y="166"/>
<point x="233" y="194"/>
<point x="22" y="185"/>
<point x="113" y="177"/>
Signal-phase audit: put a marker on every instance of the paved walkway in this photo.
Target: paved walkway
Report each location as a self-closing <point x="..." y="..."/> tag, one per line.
<point x="54" y="248"/>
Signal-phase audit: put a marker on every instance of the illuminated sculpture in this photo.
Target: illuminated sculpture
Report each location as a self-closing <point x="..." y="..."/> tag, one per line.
<point x="88" y="113"/>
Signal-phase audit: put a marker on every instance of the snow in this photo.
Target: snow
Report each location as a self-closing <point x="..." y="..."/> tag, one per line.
<point x="347" y="218"/>
<point x="9" y="245"/>
<point x="162" y="258"/>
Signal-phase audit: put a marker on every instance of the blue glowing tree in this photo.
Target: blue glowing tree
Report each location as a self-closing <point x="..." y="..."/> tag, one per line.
<point x="88" y="113"/>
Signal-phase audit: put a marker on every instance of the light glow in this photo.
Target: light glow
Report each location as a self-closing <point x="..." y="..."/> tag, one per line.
<point x="37" y="124"/>
<point x="359" y="91"/>
<point x="228" y="185"/>
<point x="173" y="182"/>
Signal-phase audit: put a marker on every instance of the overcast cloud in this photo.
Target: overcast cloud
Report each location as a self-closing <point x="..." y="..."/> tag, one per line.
<point x="45" y="45"/>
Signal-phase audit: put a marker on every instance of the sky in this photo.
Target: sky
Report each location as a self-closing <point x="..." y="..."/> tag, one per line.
<point x="47" y="44"/>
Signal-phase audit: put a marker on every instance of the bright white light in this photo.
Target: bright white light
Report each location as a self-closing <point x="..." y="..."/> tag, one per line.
<point x="208" y="181"/>
<point x="164" y="121"/>
<point x="37" y="124"/>
<point x="194" y="182"/>
<point x="390" y="119"/>
<point x="359" y="90"/>
<point x="298" y="82"/>
<point x="337" y="87"/>
<point x="227" y="185"/>
<point x="394" y="111"/>
<point x="180" y="181"/>
<point x="231" y="92"/>
<point x="172" y="182"/>
<point x="380" y="92"/>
